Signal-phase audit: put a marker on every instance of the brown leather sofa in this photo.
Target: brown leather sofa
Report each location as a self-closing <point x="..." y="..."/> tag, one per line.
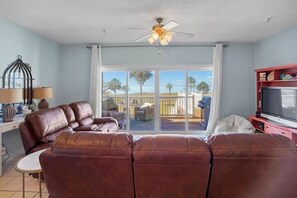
<point x="85" y="118"/>
<point x="235" y="166"/>
<point x="171" y="166"/>
<point x="42" y="127"/>
<point x="253" y="166"/>
<point x="83" y="165"/>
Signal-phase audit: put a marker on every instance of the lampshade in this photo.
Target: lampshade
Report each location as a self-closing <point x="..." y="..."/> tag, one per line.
<point x="43" y="92"/>
<point x="10" y="95"/>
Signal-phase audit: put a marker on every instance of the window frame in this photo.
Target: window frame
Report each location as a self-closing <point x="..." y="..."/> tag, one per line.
<point x="157" y="69"/>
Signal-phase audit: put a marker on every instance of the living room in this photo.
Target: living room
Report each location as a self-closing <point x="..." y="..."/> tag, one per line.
<point x="63" y="41"/>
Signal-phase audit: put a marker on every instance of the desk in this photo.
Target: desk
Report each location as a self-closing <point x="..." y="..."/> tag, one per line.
<point x="8" y="126"/>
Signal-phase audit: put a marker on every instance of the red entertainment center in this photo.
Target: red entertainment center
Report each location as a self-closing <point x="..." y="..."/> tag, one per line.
<point x="281" y="77"/>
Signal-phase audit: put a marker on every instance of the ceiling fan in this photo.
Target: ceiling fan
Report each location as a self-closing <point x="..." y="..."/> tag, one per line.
<point x="161" y="32"/>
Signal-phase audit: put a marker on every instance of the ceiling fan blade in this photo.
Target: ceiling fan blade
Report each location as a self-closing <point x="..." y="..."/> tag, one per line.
<point x="139" y="29"/>
<point x="142" y="38"/>
<point x="170" y="25"/>
<point x="183" y="34"/>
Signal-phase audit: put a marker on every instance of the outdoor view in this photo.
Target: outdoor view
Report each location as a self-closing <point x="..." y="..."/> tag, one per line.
<point x="129" y="96"/>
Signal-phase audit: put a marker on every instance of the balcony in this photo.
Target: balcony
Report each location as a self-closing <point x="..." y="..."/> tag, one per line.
<point x="172" y="112"/>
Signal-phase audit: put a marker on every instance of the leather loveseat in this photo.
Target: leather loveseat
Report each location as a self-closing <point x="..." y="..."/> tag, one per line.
<point x="42" y="127"/>
<point x="109" y="165"/>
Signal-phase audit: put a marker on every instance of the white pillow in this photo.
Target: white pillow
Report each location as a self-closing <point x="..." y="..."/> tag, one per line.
<point x="146" y="104"/>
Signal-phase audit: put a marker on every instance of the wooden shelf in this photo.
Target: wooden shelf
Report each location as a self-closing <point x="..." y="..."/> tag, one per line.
<point x="271" y="81"/>
<point x="263" y="81"/>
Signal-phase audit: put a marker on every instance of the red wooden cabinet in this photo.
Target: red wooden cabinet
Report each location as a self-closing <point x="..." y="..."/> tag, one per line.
<point x="262" y="125"/>
<point x="272" y="77"/>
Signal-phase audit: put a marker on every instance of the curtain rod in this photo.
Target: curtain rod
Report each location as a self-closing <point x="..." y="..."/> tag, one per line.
<point x="172" y="45"/>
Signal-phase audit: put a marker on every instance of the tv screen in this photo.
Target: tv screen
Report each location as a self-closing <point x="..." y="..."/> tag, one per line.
<point x="280" y="102"/>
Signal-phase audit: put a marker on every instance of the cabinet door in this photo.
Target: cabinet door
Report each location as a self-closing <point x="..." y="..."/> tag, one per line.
<point x="278" y="130"/>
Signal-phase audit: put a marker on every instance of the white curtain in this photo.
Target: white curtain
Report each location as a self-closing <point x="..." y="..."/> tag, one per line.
<point x="95" y="79"/>
<point x="217" y="82"/>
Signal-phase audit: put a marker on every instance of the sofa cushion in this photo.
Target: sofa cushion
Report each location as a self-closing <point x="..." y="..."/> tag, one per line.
<point x="51" y="137"/>
<point x="87" y="121"/>
<point x="171" y="166"/>
<point x="252" y="166"/>
<point x="89" y="164"/>
<point x="92" y="143"/>
<point x="70" y="116"/>
<point x="45" y="123"/>
<point x="251" y="145"/>
<point x="179" y="149"/>
<point x="82" y="110"/>
<point x="146" y="105"/>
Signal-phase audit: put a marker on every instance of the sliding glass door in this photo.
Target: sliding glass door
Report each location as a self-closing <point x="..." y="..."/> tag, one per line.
<point x="158" y="100"/>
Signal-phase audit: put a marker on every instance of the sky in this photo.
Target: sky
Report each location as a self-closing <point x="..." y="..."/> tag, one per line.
<point x="176" y="78"/>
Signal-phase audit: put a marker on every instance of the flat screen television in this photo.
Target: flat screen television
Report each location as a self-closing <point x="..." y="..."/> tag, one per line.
<point x="279" y="104"/>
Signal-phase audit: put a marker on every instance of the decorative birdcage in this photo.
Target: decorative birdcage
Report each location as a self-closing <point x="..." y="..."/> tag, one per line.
<point x="18" y="75"/>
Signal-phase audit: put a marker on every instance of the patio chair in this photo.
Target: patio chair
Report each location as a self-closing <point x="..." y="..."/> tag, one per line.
<point x="111" y="109"/>
<point x="145" y="112"/>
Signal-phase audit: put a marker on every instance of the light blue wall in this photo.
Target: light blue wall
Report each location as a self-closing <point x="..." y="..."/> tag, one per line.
<point x="74" y="75"/>
<point x="277" y="50"/>
<point x="238" y="80"/>
<point x="43" y="56"/>
<point x="170" y="55"/>
<point x="41" y="53"/>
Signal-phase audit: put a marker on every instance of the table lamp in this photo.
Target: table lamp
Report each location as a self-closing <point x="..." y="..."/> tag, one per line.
<point x="43" y="93"/>
<point x="7" y="97"/>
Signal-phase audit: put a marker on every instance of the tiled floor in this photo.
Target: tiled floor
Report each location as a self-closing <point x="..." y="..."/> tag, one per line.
<point x="11" y="185"/>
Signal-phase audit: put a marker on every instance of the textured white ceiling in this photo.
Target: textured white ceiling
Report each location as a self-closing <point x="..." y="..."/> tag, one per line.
<point x="82" y="21"/>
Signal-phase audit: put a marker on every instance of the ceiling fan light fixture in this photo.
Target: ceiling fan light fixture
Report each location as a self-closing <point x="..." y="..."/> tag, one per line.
<point x="163" y="42"/>
<point x="161" y="33"/>
<point x="151" y="40"/>
<point x="168" y="36"/>
<point x="154" y="35"/>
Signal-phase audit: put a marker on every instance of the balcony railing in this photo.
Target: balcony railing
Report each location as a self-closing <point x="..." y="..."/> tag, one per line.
<point x="169" y="105"/>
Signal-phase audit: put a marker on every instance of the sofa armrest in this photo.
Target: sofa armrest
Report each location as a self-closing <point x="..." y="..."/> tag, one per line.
<point x="105" y="119"/>
<point x="86" y="127"/>
<point x="28" y="137"/>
